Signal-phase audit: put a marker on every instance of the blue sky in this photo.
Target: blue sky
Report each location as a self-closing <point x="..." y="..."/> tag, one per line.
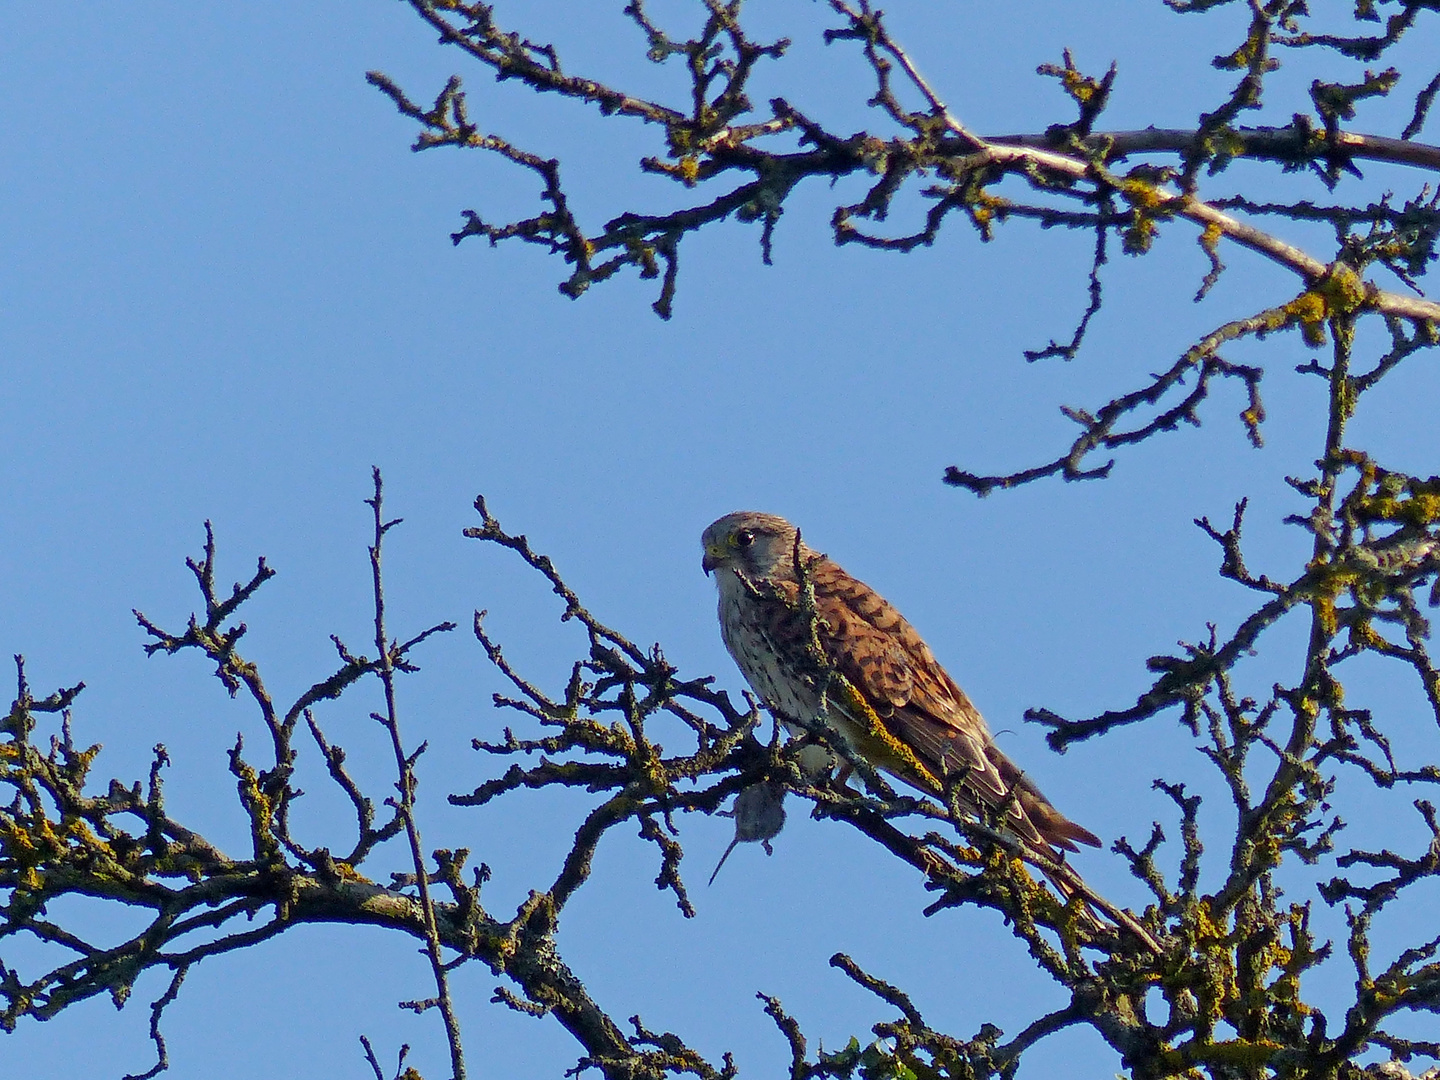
<point x="229" y="290"/>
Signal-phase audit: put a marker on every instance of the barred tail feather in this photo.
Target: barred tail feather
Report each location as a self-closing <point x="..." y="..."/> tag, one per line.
<point x="1068" y="883"/>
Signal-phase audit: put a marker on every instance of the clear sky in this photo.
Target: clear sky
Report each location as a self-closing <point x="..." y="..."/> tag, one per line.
<point x="228" y="290"/>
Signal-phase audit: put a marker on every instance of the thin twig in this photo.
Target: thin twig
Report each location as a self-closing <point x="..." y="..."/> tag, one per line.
<point x="405" y="765"/>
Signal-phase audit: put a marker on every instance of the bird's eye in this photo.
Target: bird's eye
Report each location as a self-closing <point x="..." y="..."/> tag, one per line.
<point x="744" y="538"/>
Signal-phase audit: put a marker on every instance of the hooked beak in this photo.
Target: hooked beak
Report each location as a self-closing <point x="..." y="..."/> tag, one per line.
<point x="710" y="561"/>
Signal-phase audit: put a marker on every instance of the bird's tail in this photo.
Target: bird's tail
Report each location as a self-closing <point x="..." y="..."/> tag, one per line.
<point x="1095" y="908"/>
<point x="1047" y="834"/>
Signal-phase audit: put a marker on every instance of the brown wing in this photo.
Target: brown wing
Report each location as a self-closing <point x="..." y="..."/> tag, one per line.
<point x="872" y="645"/>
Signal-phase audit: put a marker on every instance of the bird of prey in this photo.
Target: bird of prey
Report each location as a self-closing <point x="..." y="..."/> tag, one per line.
<point x="885" y="693"/>
<point x="928" y="733"/>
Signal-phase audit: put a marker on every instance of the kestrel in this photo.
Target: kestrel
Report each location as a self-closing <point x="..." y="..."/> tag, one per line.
<point x="887" y="695"/>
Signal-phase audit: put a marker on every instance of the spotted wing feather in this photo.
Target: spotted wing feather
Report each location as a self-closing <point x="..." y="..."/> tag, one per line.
<point x="887" y="661"/>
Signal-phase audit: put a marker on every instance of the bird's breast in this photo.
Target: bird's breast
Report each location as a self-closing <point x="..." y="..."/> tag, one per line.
<point x="760" y="658"/>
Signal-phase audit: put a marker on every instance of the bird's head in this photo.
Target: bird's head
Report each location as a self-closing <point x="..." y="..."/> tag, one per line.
<point x="761" y="547"/>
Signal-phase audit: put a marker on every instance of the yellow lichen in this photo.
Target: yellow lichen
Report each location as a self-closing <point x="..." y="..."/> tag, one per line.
<point x="1138" y="238"/>
<point x="1310" y="311"/>
<point x="1344" y="290"/>
<point x="858" y="707"/>
<point x="1330" y="582"/>
<point x="1241" y="1053"/>
<point x="1142" y="194"/>
<point x="1417" y="504"/>
<point x="15" y="838"/>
